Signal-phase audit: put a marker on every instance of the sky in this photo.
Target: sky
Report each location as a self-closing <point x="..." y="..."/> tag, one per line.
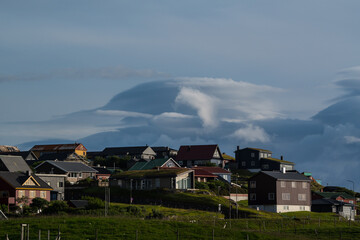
<point x="282" y="75"/>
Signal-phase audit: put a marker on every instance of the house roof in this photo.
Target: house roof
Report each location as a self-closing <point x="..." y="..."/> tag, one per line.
<point x="213" y="170"/>
<point x="78" y="203"/>
<point x="124" y="150"/>
<point x="162" y="149"/>
<point x="203" y="173"/>
<point x="14" y="163"/>
<point x="17" y="180"/>
<point x="142" y="165"/>
<point x="61" y="156"/>
<point x="151" y="173"/>
<point x="197" y="152"/>
<point x="334" y="195"/>
<point x="289" y="175"/>
<point x="23" y="154"/>
<point x="102" y="170"/>
<point x="327" y="201"/>
<point x="228" y="157"/>
<point x="58" y="147"/>
<point x="70" y="166"/>
<point x="260" y="150"/>
<point x="279" y="160"/>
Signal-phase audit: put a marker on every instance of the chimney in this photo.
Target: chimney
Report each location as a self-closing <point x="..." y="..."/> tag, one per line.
<point x="27" y="173"/>
<point x="281" y="157"/>
<point x="238" y="148"/>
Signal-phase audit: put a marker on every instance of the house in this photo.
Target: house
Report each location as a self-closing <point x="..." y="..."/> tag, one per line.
<point x="26" y="155"/>
<point x="56" y="182"/>
<point x="155" y="163"/>
<point x="63" y="156"/>
<point x="102" y="173"/>
<point x="228" y="159"/>
<point x="164" y="152"/>
<point x="199" y="155"/>
<point x="279" y="191"/>
<point x="344" y="209"/>
<point x="7" y="148"/>
<point x="135" y="153"/>
<point x="11" y="163"/>
<point x="339" y="196"/>
<point x="218" y="172"/>
<point x="74" y="171"/>
<point x="77" y="148"/>
<point x="260" y="160"/>
<point x="16" y="185"/>
<point x="202" y="175"/>
<point x="171" y="178"/>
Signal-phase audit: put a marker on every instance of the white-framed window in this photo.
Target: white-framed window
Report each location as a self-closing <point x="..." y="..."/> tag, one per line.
<point x="21" y="193"/>
<point x="285" y="207"/>
<point x="302" y="197"/>
<point x="252" y="184"/>
<point x="271" y="196"/>
<point x="32" y="194"/>
<point x="252" y="163"/>
<point x="252" y="196"/>
<point x="286" y="196"/>
<point x="304" y="185"/>
<point x="43" y="194"/>
<point x="293" y="184"/>
<point x="283" y="184"/>
<point x="243" y="163"/>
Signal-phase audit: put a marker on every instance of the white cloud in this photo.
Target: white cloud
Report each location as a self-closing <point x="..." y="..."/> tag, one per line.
<point x="173" y="115"/>
<point x="122" y="114"/>
<point x="352" y="139"/>
<point x="251" y="134"/>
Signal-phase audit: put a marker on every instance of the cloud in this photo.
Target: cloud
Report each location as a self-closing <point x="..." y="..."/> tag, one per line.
<point x="251" y="133"/>
<point x="122" y="114"/>
<point x="352" y="139"/>
<point x="111" y="73"/>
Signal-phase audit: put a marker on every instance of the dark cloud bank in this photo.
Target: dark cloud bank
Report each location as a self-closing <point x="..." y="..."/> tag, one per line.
<point x="230" y="113"/>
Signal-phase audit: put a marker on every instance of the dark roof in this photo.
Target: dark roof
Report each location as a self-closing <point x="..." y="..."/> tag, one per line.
<point x="17" y="179"/>
<point x="162" y="149"/>
<point x="334" y="195"/>
<point x="70" y="166"/>
<point x="102" y="170"/>
<point x="58" y="147"/>
<point x="62" y="156"/>
<point x="124" y="150"/>
<point x="197" y="152"/>
<point x="279" y="160"/>
<point x="327" y="201"/>
<point x="289" y="175"/>
<point x="159" y="162"/>
<point x="14" y="163"/>
<point x="23" y="154"/>
<point x="78" y="203"/>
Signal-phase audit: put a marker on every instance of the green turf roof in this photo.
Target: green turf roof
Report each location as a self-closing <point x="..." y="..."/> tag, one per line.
<point x="169" y="172"/>
<point x="149" y="165"/>
<point x="261" y="150"/>
<point x="279" y="160"/>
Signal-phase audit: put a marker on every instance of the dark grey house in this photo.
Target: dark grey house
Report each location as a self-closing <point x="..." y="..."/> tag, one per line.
<point x="259" y="159"/>
<point x="164" y="152"/>
<point x="74" y="171"/>
<point x="11" y="163"/>
<point x="344" y="209"/>
<point x="276" y="191"/>
<point x="136" y="153"/>
<point x="57" y="183"/>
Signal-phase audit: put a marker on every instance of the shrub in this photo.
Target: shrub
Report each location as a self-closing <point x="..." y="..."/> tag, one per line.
<point x="38" y="204"/>
<point x="55" y="207"/>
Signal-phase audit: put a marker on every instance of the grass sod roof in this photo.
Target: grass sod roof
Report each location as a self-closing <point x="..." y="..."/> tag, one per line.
<point x="169" y="172"/>
<point x="260" y="149"/>
<point x="279" y="160"/>
<point x="333" y="195"/>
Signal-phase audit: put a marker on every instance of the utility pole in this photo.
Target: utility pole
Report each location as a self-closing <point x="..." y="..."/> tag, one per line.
<point x="353" y="209"/>
<point x="131" y="181"/>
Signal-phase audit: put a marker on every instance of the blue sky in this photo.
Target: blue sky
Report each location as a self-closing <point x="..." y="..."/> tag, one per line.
<point x="254" y="63"/>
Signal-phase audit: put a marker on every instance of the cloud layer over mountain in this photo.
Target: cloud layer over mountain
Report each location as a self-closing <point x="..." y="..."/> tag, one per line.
<point x="227" y="112"/>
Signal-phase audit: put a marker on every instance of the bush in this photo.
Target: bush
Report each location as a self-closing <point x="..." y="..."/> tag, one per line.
<point x="155" y="214"/>
<point x="94" y="203"/>
<point x="38" y="204"/>
<point x="55" y="207"/>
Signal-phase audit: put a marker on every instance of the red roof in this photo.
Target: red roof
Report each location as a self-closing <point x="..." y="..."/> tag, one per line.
<point x="203" y="173"/>
<point x="197" y="152"/>
<point x="59" y="147"/>
<point x="212" y="170"/>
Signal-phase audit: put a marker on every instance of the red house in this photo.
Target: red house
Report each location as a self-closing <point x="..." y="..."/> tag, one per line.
<point x="17" y="185"/>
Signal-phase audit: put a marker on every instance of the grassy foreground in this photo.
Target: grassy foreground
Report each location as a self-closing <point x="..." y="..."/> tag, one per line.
<point x="188" y="225"/>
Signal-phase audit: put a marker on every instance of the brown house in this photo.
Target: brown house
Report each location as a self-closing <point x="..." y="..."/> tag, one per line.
<point x="200" y="155"/>
<point x="279" y="191"/>
<point x="77" y="148"/>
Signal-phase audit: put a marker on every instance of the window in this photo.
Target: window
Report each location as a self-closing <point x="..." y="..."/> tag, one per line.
<point x="304" y="185"/>
<point x="60" y="184"/>
<point x="243" y="163"/>
<point x="252" y="163"/>
<point x="265" y="166"/>
<point x="157" y="182"/>
<point x="283" y="184"/>
<point x="302" y="197"/>
<point x="32" y="194"/>
<point x="252" y="155"/>
<point x="271" y="196"/>
<point x="293" y="184"/>
<point x="21" y="193"/>
<point x="286" y="196"/>
<point x="252" y="184"/>
<point x="43" y="194"/>
<point x="73" y="174"/>
<point x="252" y="196"/>
<point x="261" y="155"/>
<point x="180" y="163"/>
<point x="286" y="207"/>
<point x="80" y="175"/>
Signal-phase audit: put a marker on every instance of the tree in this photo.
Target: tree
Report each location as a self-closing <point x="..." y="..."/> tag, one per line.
<point x="38" y="204"/>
